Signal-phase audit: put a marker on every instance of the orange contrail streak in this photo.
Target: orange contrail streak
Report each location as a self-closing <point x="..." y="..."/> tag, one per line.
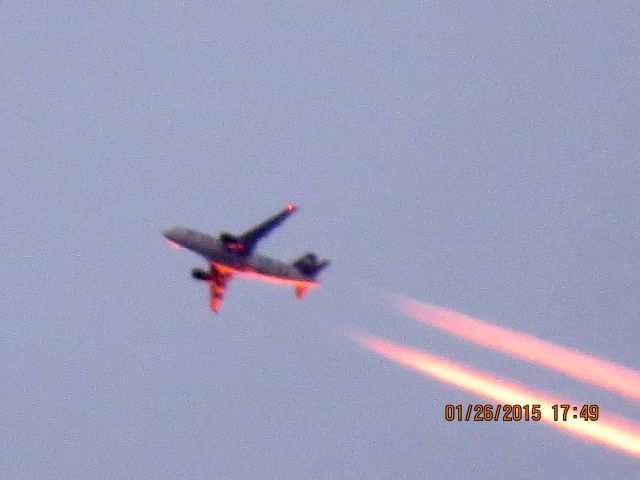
<point x="616" y="432"/>
<point x="587" y="368"/>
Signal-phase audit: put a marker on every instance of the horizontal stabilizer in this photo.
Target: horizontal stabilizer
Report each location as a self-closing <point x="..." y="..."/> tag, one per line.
<point x="310" y="265"/>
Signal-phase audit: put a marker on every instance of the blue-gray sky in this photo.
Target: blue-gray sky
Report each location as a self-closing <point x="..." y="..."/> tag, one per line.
<point x="483" y="158"/>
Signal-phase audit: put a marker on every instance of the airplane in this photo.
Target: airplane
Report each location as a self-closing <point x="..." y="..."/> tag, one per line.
<point x="230" y="255"/>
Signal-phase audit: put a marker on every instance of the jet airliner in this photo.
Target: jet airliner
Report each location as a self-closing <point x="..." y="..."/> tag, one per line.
<point x="230" y="255"/>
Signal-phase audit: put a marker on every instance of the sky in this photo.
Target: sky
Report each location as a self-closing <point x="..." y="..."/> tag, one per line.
<point x="479" y="157"/>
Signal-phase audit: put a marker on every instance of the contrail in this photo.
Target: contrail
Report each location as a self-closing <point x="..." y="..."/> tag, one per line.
<point x="615" y="432"/>
<point x="587" y="368"/>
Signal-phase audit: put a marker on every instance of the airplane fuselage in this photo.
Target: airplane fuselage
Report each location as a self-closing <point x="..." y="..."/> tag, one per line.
<point x="253" y="265"/>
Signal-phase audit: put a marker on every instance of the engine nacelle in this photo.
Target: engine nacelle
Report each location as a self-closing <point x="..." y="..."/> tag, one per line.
<point x="226" y="237"/>
<point x="232" y="243"/>
<point x="200" y="274"/>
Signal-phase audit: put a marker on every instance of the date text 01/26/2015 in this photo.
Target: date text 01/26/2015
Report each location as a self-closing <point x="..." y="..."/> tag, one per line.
<point x="518" y="413"/>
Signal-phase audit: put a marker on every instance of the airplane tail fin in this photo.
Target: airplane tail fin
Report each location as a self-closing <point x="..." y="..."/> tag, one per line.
<point x="300" y="290"/>
<point x="310" y="265"/>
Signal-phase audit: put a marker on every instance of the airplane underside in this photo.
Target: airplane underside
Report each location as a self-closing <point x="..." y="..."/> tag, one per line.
<point x="232" y="255"/>
<point x="219" y="275"/>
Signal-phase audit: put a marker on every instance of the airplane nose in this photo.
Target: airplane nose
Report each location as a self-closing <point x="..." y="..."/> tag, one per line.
<point x="173" y="237"/>
<point x="170" y="235"/>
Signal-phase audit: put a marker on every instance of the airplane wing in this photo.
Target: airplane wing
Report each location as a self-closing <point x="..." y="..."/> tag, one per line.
<point x="217" y="286"/>
<point x="251" y="237"/>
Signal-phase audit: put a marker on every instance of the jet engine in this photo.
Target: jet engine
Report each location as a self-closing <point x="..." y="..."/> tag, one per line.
<point x="226" y="238"/>
<point x="232" y="243"/>
<point x="200" y="274"/>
